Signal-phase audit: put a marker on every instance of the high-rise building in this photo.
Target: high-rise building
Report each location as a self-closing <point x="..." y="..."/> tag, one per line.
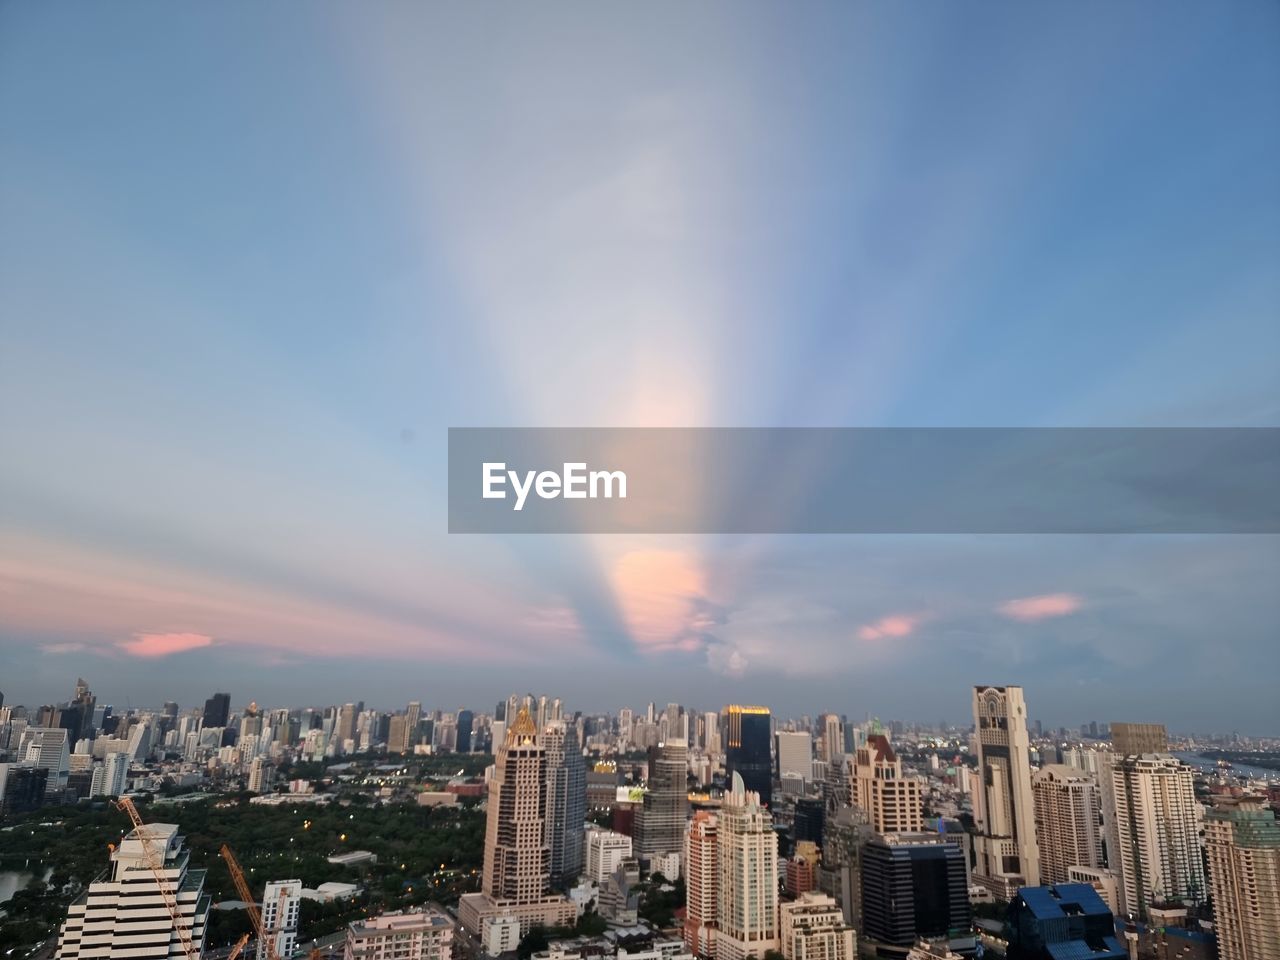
<point x="126" y="915"/>
<point x="1007" y="855"/>
<point x="747" y="749"/>
<point x="48" y="749"/>
<point x="412" y="935"/>
<point x="1242" y="840"/>
<point x="702" y="884"/>
<point x="795" y="754"/>
<point x="605" y="850"/>
<point x="1068" y="810"/>
<point x="812" y="928"/>
<point x="1131" y="739"/>
<point x="566" y="801"/>
<point x="844" y="837"/>
<point x="466" y="720"/>
<point x="517" y="858"/>
<point x="110" y="776"/>
<point x="747" y="914"/>
<point x="1156" y="825"/>
<point x="217" y="710"/>
<point x="660" y="821"/>
<point x="913" y="886"/>
<point x="833" y="746"/>
<point x="894" y="803"/>
<point x="281" y="903"/>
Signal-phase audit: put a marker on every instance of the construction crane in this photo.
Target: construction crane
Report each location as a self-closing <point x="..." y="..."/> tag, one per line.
<point x="238" y="948"/>
<point x="155" y="860"/>
<point x="266" y="945"/>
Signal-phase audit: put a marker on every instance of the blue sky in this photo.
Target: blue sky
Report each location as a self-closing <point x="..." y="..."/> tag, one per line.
<point x="256" y="259"/>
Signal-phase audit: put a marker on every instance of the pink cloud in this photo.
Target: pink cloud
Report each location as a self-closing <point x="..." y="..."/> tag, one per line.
<point x="894" y="625"/>
<point x="1044" y="607"/>
<point x="163" y="644"/>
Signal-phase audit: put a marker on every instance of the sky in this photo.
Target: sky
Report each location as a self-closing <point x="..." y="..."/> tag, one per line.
<point x="256" y="259"/>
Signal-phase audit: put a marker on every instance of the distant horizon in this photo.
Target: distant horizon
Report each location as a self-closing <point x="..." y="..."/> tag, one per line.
<point x="487" y="707"/>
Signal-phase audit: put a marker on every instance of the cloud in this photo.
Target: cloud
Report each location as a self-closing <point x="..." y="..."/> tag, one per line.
<point x="1043" y="607"/>
<point x="894" y="625"/>
<point x="58" y="649"/>
<point x="151" y="645"/>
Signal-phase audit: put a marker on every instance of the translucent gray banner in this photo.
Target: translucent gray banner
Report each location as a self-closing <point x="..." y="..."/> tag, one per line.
<point x="912" y="480"/>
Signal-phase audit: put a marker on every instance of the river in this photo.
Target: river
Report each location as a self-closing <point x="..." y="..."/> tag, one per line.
<point x="1242" y="770"/>
<point x="11" y="881"/>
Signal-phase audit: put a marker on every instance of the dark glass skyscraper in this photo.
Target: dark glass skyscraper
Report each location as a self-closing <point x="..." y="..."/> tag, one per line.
<point x="217" y="710"/>
<point x="913" y="885"/>
<point x="465" y="720"/>
<point x="747" y="749"/>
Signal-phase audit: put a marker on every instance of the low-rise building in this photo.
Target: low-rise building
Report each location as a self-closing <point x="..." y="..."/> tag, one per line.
<point x="417" y="935"/>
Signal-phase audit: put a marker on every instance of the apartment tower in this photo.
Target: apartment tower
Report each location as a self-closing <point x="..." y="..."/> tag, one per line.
<point x="1007" y="855"/>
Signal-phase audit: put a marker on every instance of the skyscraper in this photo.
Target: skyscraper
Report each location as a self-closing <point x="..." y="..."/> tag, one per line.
<point x="566" y="803"/>
<point x="892" y="802"/>
<point x="1068" y="831"/>
<point x="747" y="749"/>
<point x="126" y="915"/>
<point x="1156" y="825"/>
<point x="465" y="720"/>
<point x="217" y="710"/>
<point x="702" y="883"/>
<point x="1242" y="840"/>
<point x="747" y="850"/>
<point x="517" y="857"/>
<point x="1007" y="855"/>
<point x="795" y="754"/>
<point x="660" y="821"/>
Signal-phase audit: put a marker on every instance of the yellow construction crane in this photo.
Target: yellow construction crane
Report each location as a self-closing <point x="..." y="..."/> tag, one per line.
<point x="155" y="860"/>
<point x="238" y="948"/>
<point x="266" y="944"/>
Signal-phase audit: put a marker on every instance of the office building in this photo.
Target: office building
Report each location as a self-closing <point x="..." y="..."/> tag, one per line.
<point x="892" y="802"/>
<point x="281" y="903"/>
<point x="516" y="880"/>
<point x="702" y="883"/>
<point x="217" y="710"/>
<point x="795" y="754"/>
<point x="49" y="749"/>
<point x="1132" y="739"/>
<point x="566" y="799"/>
<point x="747" y="914"/>
<point x="605" y="850"/>
<point x="833" y="746"/>
<point x="1242" y="841"/>
<point x="1156" y="826"/>
<point x="22" y="788"/>
<point x="1062" y="921"/>
<point x="1068" y="812"/>
<point x="747" y="749"/>
<point x="660" y="821"/>
<point x="913" y="886"/>
<point x="414" y="935"/>
<point x="1006" y="850"/>
<point x="125" y="915"/>
<point x="844" y="837"/>
<point x="813" y="928"/>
